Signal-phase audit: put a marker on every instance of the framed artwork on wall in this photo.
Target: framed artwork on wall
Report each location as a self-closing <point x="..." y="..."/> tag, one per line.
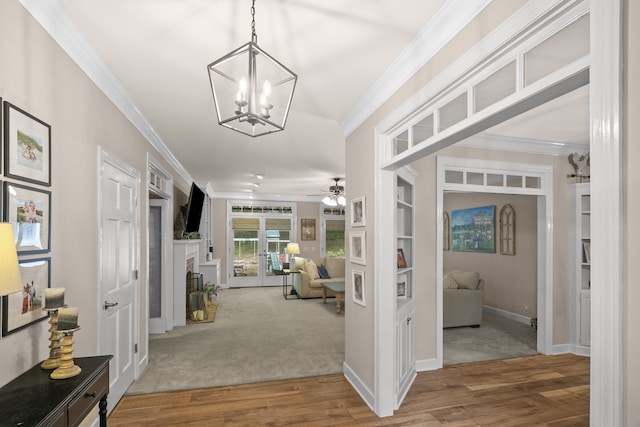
<point x="402" y="261"/>
<point x="308" y="229"/>
<point x="474" y="230"/>
<point x="357" y="281"/>
<point x="22" y="309"/>
<point x="27" y="146"/>
<point x="29" y="210"/>
<point x="358" y="212"/>
<point x="357" y="248"/>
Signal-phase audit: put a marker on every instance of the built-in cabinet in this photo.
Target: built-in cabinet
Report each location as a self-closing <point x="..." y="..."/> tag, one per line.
<point x="404" y="288"/>
<point x="581" y="263"/>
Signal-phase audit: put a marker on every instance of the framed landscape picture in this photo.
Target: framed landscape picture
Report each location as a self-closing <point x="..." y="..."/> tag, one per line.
<point x="29" y="210"/>
<point x="27" y="146"/>
<point x="474" y="230"/>
<point x="24" y="308"/>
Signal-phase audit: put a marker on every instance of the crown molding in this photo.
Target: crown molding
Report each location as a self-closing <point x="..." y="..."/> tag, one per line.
<point x="452" y="17"/>
<point x="52" y="16"/>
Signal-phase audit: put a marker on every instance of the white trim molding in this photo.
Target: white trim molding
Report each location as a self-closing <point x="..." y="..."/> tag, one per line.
<point x="607" y="236"/>
<point x="55" y="20"/>
<point x="452" y="17"/>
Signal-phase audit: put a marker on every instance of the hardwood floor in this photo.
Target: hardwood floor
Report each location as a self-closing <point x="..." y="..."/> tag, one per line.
<point x="532" y="391"/>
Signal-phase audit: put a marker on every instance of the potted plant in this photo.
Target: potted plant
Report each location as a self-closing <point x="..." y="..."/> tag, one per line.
<point x="179" y="226"/>
<point x="212" y="291"/>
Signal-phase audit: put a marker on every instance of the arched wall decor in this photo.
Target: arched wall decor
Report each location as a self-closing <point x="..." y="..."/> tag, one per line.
<point x="507" y="230"/>
<point x="446" y="232"/>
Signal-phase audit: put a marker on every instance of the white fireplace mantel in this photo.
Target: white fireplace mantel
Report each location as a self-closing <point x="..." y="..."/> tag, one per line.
<point x="182" y="251"/>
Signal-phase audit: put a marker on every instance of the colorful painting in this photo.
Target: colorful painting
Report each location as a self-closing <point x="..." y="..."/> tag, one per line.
<point x="474" y="230"/>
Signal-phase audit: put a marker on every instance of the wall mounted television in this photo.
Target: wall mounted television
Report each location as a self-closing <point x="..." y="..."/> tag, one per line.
<point x="193" y="211"/>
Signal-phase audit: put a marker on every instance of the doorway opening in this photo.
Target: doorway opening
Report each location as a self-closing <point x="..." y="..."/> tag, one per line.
<point x="257" y="243"/>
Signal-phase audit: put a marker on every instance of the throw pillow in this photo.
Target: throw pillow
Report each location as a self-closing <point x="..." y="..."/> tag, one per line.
<point x="299" y="264"/>
<point x="448" y="282"/>
<point x="466" y="279"/>
<point x="312" y="269"/>
<point x="322" y="271"/>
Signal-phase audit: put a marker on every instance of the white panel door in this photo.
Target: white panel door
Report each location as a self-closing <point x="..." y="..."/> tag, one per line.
<point x="119" y="281"/>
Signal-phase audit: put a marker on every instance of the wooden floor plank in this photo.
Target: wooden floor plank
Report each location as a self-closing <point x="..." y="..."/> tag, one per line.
<point x="550" y="391"/>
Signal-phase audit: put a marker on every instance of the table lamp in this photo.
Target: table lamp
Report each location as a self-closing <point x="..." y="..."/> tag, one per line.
<point x="293" y="249"/>
<point x="10" y="281"/>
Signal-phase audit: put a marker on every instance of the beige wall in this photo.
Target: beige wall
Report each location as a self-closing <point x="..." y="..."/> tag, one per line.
<point x="631" y="151"/>
<point x="510" y="280"/>
<point x="360" y="176"/>
<point x="308" y="248"/>
<point x="37" y="76"/>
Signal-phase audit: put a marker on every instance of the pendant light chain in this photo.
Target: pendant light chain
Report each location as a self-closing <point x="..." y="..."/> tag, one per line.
<point x="254" y="36"/>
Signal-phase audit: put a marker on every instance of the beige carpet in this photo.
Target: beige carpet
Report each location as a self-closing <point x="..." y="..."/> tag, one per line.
<point x="257" y="336"/>
<point x="496" y="338"/>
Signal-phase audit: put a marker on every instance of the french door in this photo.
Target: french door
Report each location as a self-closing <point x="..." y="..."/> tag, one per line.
<point x="257" y="247"/>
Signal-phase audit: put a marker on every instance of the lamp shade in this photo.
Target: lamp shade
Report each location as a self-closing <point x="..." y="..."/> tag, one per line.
<point x="10" y="280"/>
<point x="293" y="248"/>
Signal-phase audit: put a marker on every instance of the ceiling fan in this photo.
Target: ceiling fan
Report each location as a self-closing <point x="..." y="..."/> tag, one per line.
<point x="336" y="195"/>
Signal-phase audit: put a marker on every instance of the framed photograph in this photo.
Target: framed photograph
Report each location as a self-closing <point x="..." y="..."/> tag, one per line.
<point x="357" y="248"/>
<point x="29" y="210"/>
<point x="358" y="212"/>
<point x="401" y="286"/>
<point x="474" y="230"/>
<point x="308" y="229"/>
<point x="357" y="283"/>
<point x="27" y="146"/>
<point x="402" y="261"/>
<point x="586" y="246"/>
<point x="24" y="308"/>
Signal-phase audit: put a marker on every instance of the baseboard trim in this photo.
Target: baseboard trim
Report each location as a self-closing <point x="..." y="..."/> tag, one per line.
<point x="503" y="313"/>
<point x="427" y="365"/>
<point x="359" y="386"/>
<point x="142" y="365"/>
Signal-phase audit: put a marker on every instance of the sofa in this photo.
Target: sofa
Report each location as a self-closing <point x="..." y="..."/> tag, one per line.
<point x="308" y="283"/>
<point x="462" y="298"/>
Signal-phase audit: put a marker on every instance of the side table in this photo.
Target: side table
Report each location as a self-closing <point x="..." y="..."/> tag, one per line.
<point x="34" y="399"/>
<point x="285" y="275"/>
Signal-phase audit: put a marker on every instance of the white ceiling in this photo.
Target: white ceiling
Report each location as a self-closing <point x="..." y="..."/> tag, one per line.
<point x="159" y="49"/>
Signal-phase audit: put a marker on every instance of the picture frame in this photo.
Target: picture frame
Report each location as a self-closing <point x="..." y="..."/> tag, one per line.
<point x="27" y="146"/>
<point x="586" y="246"/>
<point x="308" y="229"/>
<point x="357" y="287"/>
<point x="402" y="261"/>
<point x="401" y="286"/>
<point x="357" y="247"/>
<point x="474" y="230"/>
<point x="358" y="209"/>
<point x="23" y="309"/>
<point x="29" y="210"/>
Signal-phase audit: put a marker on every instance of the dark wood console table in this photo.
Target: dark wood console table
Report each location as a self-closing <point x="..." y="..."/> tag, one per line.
<point x="34" y="399"/>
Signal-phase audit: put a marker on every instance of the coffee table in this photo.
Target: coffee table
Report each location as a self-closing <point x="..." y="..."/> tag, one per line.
<point x="338" y="288"/>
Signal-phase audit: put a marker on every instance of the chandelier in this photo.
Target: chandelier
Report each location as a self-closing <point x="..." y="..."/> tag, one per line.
<point x="252" y="91"/>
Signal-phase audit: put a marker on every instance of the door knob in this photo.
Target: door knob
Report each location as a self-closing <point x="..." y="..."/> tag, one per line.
<point x="108" y="304"/>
